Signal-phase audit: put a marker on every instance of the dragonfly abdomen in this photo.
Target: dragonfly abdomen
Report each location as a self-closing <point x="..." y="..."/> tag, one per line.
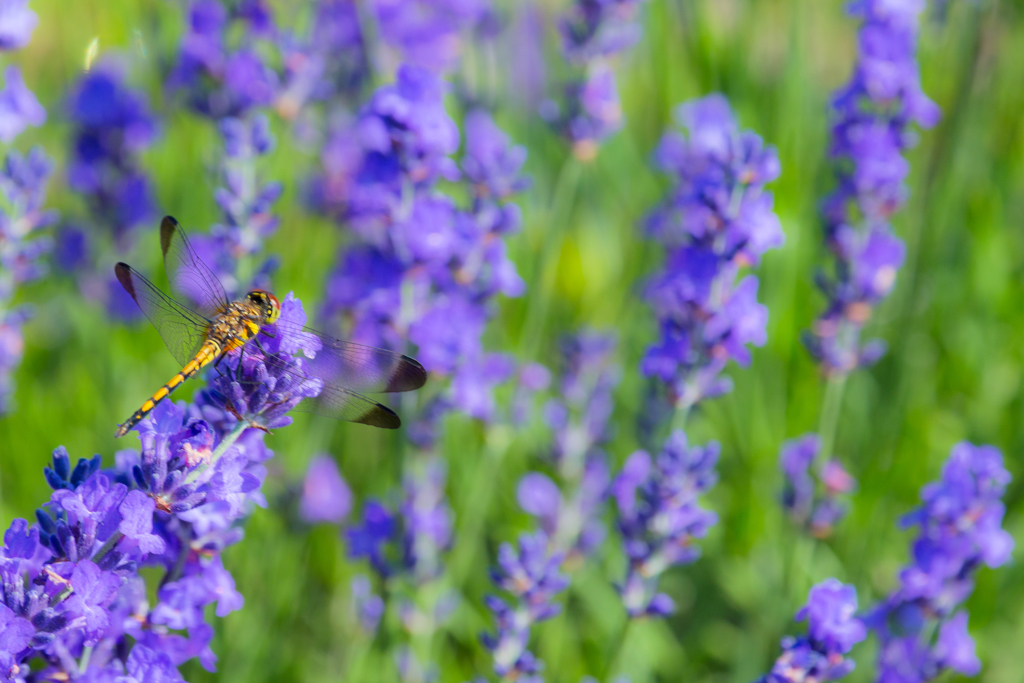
<point x="207" y="353"/>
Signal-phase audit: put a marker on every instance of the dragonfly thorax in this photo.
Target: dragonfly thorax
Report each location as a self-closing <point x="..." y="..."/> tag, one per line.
<point x="238" y="322"/>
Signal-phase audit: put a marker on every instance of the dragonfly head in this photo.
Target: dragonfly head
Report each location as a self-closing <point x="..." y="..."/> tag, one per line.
<point x="267" y="303"/>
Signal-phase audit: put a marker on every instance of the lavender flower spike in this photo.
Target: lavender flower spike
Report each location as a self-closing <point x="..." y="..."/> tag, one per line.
<point x="959" y="530"/>
<point x="592" y="31"/>
<point x="873" y="117"/>
<point x="813" y="488"/>
<point x="19" y="107"/>
<point x="717" y="218"/>
<point x="23" y="182"/>
<point x="659" y="517"/>
<point x="532" y="577"/>
<point x="832" y="631"/>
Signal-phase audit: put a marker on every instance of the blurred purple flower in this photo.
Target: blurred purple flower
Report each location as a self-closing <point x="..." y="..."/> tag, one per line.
<point x="579" y="416"/>
<point x="540" y="497"/>
<point x="717" y="218"/>
<point x="17" y="22"/>
<point x="959" y="529"/>
<point x="369" y="607"/>
<point x="592" y="32"/>
<point x="659" y="516"/>
<point x="19" y="107"/>
<point x="427" y="32"/>
<point x="597" y="28"/>
<point x="245" y="204"/>
<point x="425" y="270"/>
<point x="112" y="125"/>
<point x="873" y="116"/>
<point x="811" y="494"/>
<point x="217" y="80"/>
<point x="23" y="183"/>
<point x="413" y="539"/>
<point x="531" y="575"/>
<point x="329" y="63"/>
<point x="832" y="631"/>
<point x="325" y="495"/>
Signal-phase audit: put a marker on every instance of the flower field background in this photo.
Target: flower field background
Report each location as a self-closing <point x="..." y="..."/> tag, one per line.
<point x="388" y="573"/>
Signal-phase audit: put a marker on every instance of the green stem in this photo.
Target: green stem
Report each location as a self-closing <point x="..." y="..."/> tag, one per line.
<point x="83" y="663"/>
<point x="114" y="539"/>
<point x="830" y="414"/>
<point x="226" y="443"/>
<point x="555" y="224"/>
<point x="469" y="538"/>
<point x="680" y="417"/>
<point x="802" y="561"/>
<point x="617" y="647"/>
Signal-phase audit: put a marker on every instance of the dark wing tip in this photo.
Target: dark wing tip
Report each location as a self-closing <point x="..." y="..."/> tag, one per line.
<point x="124" y="276"/>
<point x="380" y="416"/>
<point x="408" y="375"/>
<point x="168" y="226"/>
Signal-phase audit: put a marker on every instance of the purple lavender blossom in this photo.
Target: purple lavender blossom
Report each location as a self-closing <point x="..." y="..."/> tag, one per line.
<point x="959" y="530"/>
<point x="426" y="269"/>
<point x="325" y="495"/>
<point x="832" y="631"/>
<point x="218" y="80"/>
<point x="596" y="28"/>
<point x="17" y="22"/>
<point x="531" y="575"/>
<point x="571" y="522"/>
<point x="659" y="517"/>
<point x="811" y="494"/>
<point x="716" y="219"/>
<point x="112" y="125"/>
<point x="369" y="607"/>
<point x="330" y="63"/>
<point x="593" y="31"/>
<point x="23" y="182"/>
<point x="873" y="115"/>
<point x="245" y="204"/>
<point x="413" y="539"/>
<point x="427" y="32"/>
<point x="579" y="417"/>
<point x="579" y="420"/>
<point x="19" y="107"/>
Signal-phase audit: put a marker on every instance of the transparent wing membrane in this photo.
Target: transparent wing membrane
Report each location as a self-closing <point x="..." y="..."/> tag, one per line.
<point x="341" y="404"/>
<point x="182" y="330"/>
<point x="191" y="280"/>
<point x="357" y="367"/>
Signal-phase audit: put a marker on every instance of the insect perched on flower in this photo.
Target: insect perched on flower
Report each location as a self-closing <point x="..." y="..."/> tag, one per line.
<point x="255" y="343"/>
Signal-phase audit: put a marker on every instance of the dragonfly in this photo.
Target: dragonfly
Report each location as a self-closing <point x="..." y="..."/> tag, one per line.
<point x="202" y="325"/>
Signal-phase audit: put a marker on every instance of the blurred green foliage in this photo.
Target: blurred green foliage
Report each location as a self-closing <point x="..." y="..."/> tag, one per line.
<point x="954" y="324"/>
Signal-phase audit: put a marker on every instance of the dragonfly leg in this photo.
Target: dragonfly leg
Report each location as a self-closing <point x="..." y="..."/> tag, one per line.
<point x="260" y="347"/>
<point x="239" y="369"/>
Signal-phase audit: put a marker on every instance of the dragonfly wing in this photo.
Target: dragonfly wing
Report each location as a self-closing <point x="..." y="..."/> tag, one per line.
<point x="355" y="367"/>
<point x="333" y="401"/>
<point x="349" y="406"/>
<point x="183" y="330"/>
<point x="190" y="278"/>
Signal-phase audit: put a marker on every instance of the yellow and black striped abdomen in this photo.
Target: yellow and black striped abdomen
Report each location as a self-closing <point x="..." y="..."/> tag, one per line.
<point x="207" y="353"/>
